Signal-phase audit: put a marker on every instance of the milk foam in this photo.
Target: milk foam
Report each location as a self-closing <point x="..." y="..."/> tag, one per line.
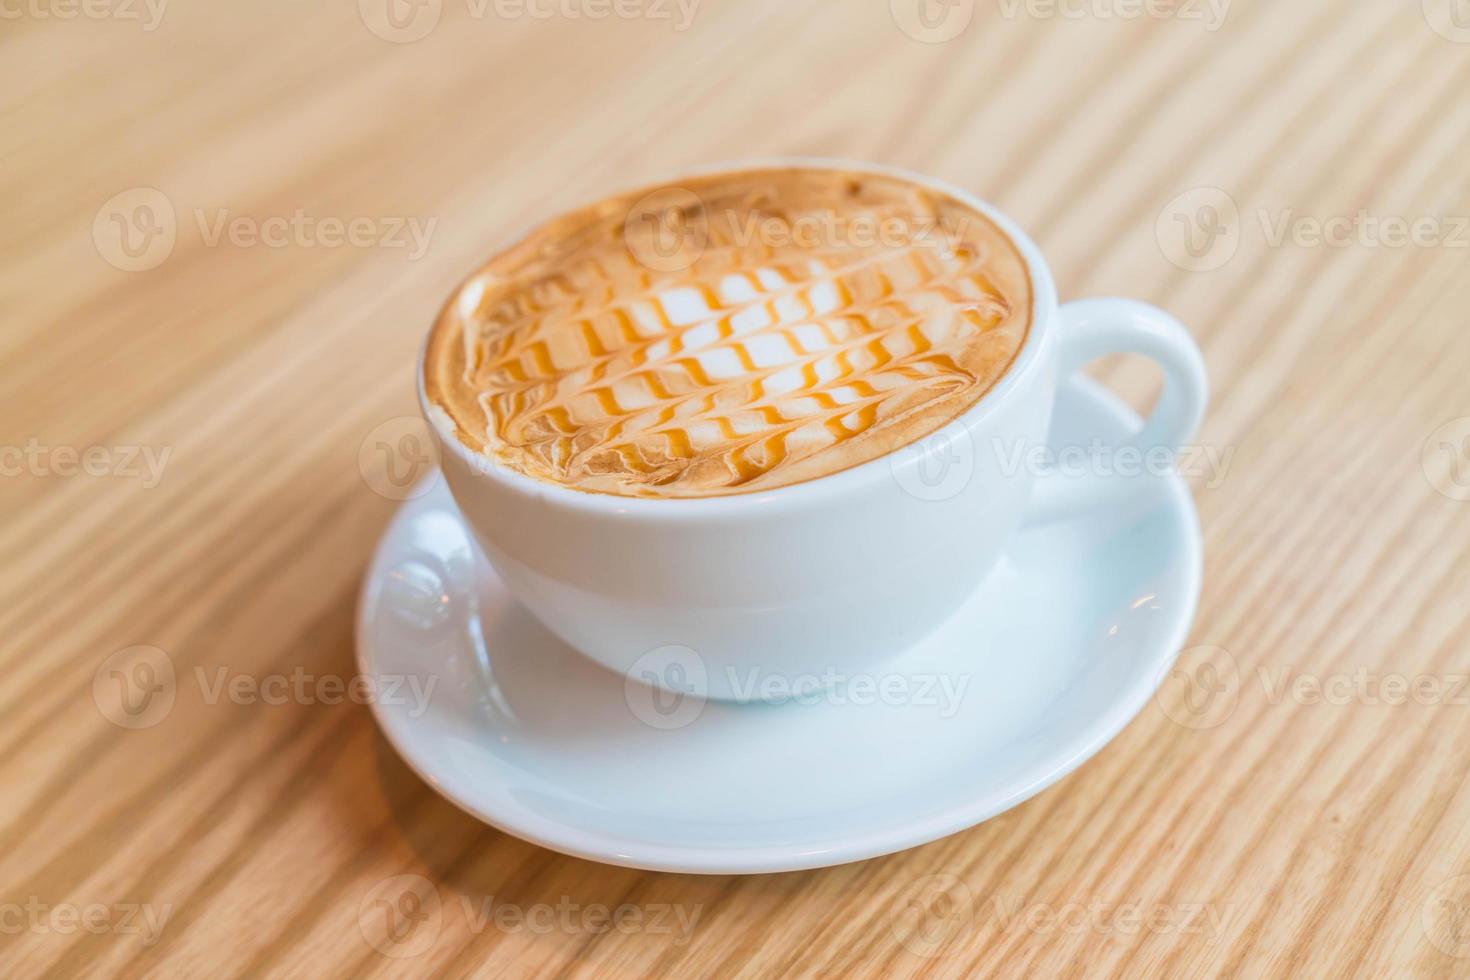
<point x="675" y="354"/>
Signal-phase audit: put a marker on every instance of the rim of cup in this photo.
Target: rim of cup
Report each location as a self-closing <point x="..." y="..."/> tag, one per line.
<point x="819" y="489"/>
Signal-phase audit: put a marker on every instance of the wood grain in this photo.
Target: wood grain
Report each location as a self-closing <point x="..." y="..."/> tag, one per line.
<point x="1308" y="827"/>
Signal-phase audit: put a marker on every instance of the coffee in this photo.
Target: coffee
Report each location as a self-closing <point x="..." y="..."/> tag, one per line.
<point x="735" y="332"/>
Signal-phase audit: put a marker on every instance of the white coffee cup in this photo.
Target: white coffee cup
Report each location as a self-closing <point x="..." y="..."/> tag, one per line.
<point x="832" y="576"/>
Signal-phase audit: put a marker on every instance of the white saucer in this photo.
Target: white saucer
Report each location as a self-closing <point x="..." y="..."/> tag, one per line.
<point x="1058" y="651"/>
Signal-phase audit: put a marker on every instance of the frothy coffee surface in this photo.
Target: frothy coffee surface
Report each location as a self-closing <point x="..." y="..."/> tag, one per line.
<point x="737" y="332"/>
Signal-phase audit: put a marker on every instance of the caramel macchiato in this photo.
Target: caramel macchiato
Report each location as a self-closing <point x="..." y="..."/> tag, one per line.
<point x="735" y="332"/>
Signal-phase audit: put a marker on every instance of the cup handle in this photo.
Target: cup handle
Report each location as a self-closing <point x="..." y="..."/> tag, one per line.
<point x="1091" y="328"/>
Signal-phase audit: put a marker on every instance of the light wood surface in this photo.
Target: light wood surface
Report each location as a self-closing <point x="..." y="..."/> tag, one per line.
<point x="1284" y="834"/>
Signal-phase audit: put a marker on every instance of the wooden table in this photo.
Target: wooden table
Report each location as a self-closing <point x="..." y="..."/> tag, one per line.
<point x="207" y="265"/>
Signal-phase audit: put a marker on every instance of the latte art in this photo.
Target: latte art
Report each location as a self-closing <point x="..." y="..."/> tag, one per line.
<point x="739" y="332"/>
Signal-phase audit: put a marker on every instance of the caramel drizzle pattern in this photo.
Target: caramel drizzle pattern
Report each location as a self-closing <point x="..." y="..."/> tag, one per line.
<point x="687" y="422"/>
